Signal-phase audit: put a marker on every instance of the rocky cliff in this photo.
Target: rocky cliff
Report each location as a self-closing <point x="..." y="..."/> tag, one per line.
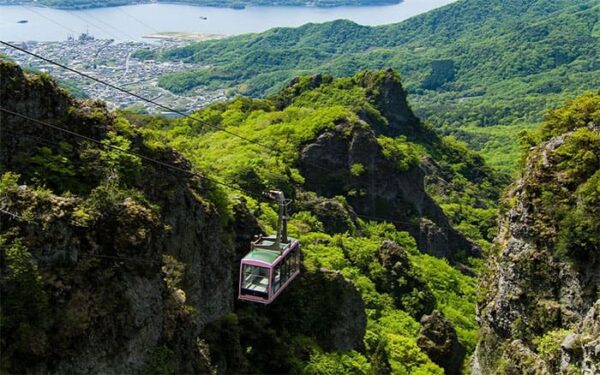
<point x="130" y="257"/>
<point x="390" y="184"/>
<point x="385" y="192"/>
<point x="112" y="263"/>
<point x="539" y="307"/>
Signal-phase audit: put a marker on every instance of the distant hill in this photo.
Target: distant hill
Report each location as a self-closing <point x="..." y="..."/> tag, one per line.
<point x="482" y="70"/>
<point x="85" y="4"/>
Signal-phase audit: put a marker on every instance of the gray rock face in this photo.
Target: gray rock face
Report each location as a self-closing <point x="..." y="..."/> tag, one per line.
<point x="531" y="291"/>
<point x="326" y="306"/>
<point x="347" y="332"/>
<point x="386" y="92"/>
<point x="397" y="265"/>
<point x="111" y="307"/>
<point x="582" y="347"/>
<point x="439" y="341"/>
<point x="197" y="240"/>
<point x="140" y="334"/>
<point x="336" y="216"/>
<point x="382" y="191"/>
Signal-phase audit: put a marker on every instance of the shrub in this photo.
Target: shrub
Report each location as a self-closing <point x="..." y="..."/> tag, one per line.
<point x="548" y="346"/>
<point x="351" y="363"/>
<point x="24" y="312"/>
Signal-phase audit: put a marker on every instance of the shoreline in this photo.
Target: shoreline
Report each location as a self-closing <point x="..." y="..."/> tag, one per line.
<point x="184" y="36"/>
<point x="307" y="4"/>
<point x="143" y="19"/>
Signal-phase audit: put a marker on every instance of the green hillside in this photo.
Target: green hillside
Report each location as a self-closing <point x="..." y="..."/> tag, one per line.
<point x="482" y="70"/>
<point x="292" y="122"/>
<point x="113" y="262"/>
<point x="459" y="179"/>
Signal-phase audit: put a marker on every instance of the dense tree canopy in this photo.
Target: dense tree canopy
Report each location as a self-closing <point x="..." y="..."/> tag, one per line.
<point x="481" y="70"/>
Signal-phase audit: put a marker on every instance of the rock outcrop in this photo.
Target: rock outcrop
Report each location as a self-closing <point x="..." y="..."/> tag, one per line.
<point x="256" y="339"/>
<point x="101" y="253"/>
<point x="327" y="306"/>
<point x="581" y="348"/>
<point x="543" y="281"/>
<point x="383" y="191"/>
<point x="438" y="339"/>
<point x="401" y="281"/>
<point x="336" y="216"/>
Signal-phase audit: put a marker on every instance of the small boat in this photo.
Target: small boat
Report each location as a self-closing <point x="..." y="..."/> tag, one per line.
<point x="203" y="18"/>
<point x="22" y="21"/>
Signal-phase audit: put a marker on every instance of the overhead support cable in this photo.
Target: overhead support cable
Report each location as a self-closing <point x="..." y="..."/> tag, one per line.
<point x="150" y="101"/>
<point x="120" y="9"/>
<point x="31" y="9"/>
<point x="119" y="149"/>
<point x="268" y="148"/>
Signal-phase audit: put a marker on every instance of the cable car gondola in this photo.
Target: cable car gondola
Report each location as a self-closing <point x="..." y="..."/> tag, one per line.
<point x="273" y="261"/>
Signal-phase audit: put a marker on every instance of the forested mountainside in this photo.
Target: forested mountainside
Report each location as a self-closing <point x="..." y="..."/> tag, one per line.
<point x="480" y="69"/>
<point x="540" y="298"/>
<point x="86" y="4"/>
<point x="113" y="263"/>
<point x="96" y="243"/>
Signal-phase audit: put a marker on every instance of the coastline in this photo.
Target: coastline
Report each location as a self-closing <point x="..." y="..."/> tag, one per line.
<point x="48" y="24"/>
<point x="215" y="4"/>
<point x="184" y="36"/>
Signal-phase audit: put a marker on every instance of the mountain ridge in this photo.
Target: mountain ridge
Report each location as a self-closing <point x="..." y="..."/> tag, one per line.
<point x="106" y="270"/>
<point x="469" y="66"/>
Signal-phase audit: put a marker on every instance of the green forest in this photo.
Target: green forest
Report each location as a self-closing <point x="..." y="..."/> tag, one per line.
<point x="479" y="70"/>
<point x="443" y="177"/>
<point x="398" y="282"/>
<point x="412" y="310"/>
<point x="308" y="111"/>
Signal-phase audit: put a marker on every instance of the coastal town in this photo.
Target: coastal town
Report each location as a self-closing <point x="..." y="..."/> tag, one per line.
<point x="112" y="62"/>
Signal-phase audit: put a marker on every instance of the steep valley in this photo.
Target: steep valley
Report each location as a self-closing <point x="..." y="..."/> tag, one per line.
<point x="114" y="263"/>
<point x="120" y="249"/>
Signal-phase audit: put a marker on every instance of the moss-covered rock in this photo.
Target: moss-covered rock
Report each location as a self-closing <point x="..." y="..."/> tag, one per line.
<point x="545" y="275"/>
<point x="410" y="291"/>
<point x="438" y="339"/>
<point x="96" y="224"/>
